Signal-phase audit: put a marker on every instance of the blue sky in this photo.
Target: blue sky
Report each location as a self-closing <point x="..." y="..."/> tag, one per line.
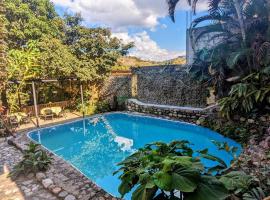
<point x="144" y="22"/>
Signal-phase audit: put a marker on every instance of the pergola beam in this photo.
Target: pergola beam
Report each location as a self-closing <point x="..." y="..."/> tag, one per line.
<point x="41" y="80"/>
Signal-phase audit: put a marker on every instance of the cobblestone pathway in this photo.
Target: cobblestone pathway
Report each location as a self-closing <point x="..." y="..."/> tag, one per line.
<point x="24" y="187"/>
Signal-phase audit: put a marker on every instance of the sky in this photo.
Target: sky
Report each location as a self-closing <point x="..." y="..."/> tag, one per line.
<point x="144" y="22"/>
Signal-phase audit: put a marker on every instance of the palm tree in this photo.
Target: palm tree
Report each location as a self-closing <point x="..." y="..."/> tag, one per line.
<point x="213" y="6"/>
<point x="3" y="47"/>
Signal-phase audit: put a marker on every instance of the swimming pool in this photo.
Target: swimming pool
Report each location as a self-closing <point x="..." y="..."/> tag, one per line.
<point x="95" y="145"/>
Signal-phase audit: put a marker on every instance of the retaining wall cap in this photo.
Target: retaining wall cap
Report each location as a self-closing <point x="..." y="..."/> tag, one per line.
<point x="184" y="108"/>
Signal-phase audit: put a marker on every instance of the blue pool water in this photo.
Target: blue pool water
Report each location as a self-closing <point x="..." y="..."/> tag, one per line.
<point x="95" y="145"/>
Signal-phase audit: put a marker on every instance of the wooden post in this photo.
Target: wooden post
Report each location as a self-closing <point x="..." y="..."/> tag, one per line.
<point x="134" y="85"/>
<point x="81" y="88"/>
<point x="35" y="102"/>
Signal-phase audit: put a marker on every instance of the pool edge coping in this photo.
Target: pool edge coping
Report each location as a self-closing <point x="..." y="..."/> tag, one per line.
<point x="28" y="132"/>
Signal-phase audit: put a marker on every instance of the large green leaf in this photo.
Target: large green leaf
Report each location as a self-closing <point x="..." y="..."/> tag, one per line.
<point x="209" y="188"/>
<point x="124" y="187"/>
<point x="185" y="180"/>
<point x="144" y="193"/>
<point x="214" y="158"/>
<point x="163" y="180"/>
<point x="236" y="180"/>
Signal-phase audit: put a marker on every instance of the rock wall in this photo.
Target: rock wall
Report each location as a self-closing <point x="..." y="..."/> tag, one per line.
<point x="169" y="85"/>
<point x="187" y="114"/>
<point x="118" y="85"/>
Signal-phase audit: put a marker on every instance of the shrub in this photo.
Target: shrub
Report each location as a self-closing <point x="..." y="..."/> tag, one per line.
<point x="159" y="170"/>
<point x="173" y="171"/>
<point x="102" y="107"/>
<point x="236" y="131"/>
<point x="34" y="160"/>
<point x="252" y="94"/>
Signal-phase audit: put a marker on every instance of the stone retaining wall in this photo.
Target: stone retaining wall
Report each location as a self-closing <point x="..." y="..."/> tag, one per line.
<point x="187" y="114"/>
<point x="118" y="85"/>
<point x="168" y="85"/>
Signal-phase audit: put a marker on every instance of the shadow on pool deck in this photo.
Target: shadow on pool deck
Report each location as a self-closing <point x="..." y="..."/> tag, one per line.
<point x="9" y="188"/>
<point x="21" y="187"/>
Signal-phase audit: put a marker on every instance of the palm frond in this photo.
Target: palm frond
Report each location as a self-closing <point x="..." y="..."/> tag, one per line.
<point x="214" y="5"/>
<point x="172" y="5"/>
<point x="236" y="56"/>
<point x="263" y="51"/>
<point x="215" y="29"/>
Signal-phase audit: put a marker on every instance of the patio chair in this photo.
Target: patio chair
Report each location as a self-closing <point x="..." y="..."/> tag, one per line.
<point x="13" y="121"/>
<point x="5" y="129"/>
<point x="48" y="113"/>
<point x="57" y="110"/>
<point x="26" y="118"/>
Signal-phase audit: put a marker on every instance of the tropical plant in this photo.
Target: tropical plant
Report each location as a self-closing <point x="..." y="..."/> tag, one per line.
<point x="228" y="128"/>
<point x="170" y="171"/>
<point x="253" y="92"/>
<point x="34" y="160"/>
<point x="240" y="29"/>
<point x="23" y="65"/>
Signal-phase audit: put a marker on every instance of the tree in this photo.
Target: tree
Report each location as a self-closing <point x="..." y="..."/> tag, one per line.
<point x="57" y="59"/>
<point x="63" y="46"/>
<point x="23" y="65"/>
<point x="3" y="48"/>
<point x="31" y="20"/>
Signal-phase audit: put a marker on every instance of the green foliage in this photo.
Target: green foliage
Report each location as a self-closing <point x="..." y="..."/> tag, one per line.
<point x="34" y="160"/>
<point x="95" y="107"/>
<point x="102" y="107"/>
<point x="241" y="30"/>
<point x="30" y="20"/>
<point x="44" y="45"/>
<point x="3" y="49"/>
<point x="252" y="93"/>
<point x="159" y="170"/>
<point x="23" y="65"/>
<point x="236" y="131"/>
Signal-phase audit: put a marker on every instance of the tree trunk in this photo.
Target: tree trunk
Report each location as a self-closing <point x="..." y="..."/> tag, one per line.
<point x="3" y="62"/>
<point x="240" y="20"/>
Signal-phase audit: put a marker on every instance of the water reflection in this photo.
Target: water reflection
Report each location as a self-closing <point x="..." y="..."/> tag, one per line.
<point x="103" y="148"/>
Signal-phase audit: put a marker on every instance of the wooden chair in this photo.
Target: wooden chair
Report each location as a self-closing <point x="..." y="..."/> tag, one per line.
<point x="48" y="113"/>
<point x="13" y="121"/>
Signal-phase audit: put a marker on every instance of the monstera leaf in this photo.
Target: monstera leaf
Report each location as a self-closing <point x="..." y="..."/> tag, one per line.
<point x="185" y="180"/>
<point x="144" y="192"/>
<point x="209" y="188"/>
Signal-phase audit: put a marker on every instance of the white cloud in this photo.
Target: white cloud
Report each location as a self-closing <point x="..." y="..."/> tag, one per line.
<point x="146" y="48"/>
<point x="122" y="14"/>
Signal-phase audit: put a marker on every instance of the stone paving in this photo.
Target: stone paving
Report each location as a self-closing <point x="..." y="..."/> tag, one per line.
<point x="23" y="187"/>
<point x="62" y="180"/>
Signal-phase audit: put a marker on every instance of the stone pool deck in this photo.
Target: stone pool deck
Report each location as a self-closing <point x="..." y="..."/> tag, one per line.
<point x="61" y="181"/>
<point x="23" y="187"/>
